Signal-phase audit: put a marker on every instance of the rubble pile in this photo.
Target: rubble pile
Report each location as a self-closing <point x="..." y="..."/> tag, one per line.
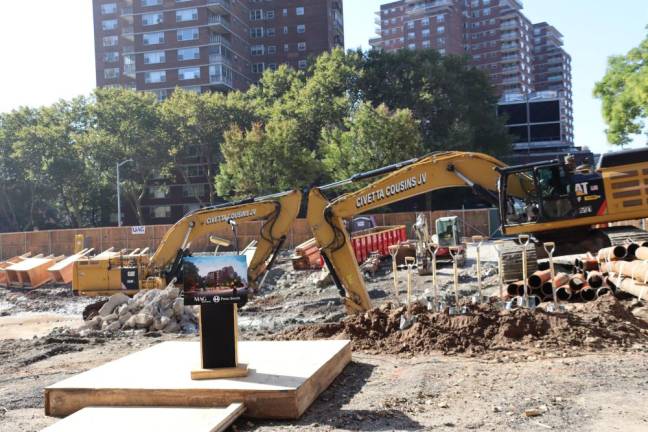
<point x="604" y="323"/>
<point x="151" y="310"/>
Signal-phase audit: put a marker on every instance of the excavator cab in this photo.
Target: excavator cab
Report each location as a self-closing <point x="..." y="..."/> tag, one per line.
<point x="544" y="193"/>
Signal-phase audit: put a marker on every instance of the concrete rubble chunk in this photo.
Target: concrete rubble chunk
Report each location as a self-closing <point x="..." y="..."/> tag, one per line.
<point x="114" y="301"/>
<point x="143" y="320"/>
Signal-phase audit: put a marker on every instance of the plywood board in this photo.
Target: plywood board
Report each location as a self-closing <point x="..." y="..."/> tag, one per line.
<point x="167" y="419"/>
<point x="284" y="378"/>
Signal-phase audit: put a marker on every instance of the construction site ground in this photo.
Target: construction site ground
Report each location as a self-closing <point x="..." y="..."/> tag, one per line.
<point x="584" y="369"/>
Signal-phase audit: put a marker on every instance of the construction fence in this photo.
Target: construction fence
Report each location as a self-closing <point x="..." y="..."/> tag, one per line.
<point x="61" y="242"/>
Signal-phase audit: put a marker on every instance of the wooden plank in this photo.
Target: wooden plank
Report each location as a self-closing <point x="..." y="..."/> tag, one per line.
<point x="132" y="419"/>
<point x="284" y="378"/>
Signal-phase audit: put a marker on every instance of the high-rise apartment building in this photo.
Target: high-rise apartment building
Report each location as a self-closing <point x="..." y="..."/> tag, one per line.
<point x="520" y="58"/>
<point x="205" y="45"/>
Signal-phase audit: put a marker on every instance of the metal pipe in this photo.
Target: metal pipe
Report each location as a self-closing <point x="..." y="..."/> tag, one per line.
<point x="577" y="282"/>
<point x="587" y="294"/>
<point x="642" y="253"/>
<point x="603" y="291"/>
<point x="515" y="288"/>
<point x="612" y="253"/>
<point x="547" y="289"/>
<point x="595" y="279"/>
<point x="637" y="289"/>
<point x="564" y="293"/>
<point x="539" y="277"/>
<point x="634" y="269"/>
<point x="631" y="248"/>
<point x="454" y="251"/>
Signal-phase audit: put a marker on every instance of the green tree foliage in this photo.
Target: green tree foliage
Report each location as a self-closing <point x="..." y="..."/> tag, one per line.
<point x="193" y="126"/>
<point x="371" y="138"/>
<point x="624" y="92"/>
<point x="454" y="102"/>
<point x="127" y="126"/>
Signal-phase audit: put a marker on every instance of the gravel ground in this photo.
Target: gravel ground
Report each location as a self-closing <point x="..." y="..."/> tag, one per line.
<point x="563" y="389"/>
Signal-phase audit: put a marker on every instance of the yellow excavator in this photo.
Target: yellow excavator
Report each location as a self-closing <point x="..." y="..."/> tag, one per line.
<point x="551" y="200"/>
<point x="130" y="273"/>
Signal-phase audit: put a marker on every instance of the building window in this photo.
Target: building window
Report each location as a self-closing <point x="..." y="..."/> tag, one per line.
<point x="154" y="57"/>
<point x="193" y="171"/>
<point x="187" y="34"/>
<point x="425" y="22"/>
<point x="193" y="190"/>
<point x="187" y="15"/>
<point x="411" y="35"/>
<point x="442" y="51"/>
<point x="256" y="14"/>
<point x="155" y="77"/>
<point x="270" y="31"/>
<point x="111" y="73"/>
<point x="272" y="66"/>
<point x="108" y="8"/>
<point x="257" y="50"/>
<point x="188" y="73"/>
<point x="285" y="30"/>
<point x="285" y="12"/>
<point x="286" y="47"/>
<point x="410" y="24"/>
<point x="441" y="29"/>
<point x="412" y="46"/>
<point x="440" y="18"/>
<point x="302" y="64"/>
<point x="107" y="25"/>
<point x="158" y="192"/>
<point x="153" y="38"/>
<point x="185" y="54"/>
<point x="161" y="94"/>
<point x="301" y="46"/>
<point x="426" y="44"/>
<point x="256" y="32"/>
<point x="299" y="10"/>
<point x="301" y="28"/>
<point x="425" y="33"/>
<point x="109" y="41"/>
<point x="152" y="19"/>
<point x="161" y="212"/>
<point x="440" y="41"/>
<point x="269" y="14"/>
<point x="146" y="3"/>
<point x="111" y="57"/>
<point x="272" y="49"/>
<point x="257" y="67"/>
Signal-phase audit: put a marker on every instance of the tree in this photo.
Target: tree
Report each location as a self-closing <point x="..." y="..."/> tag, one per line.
<point x="624" y="93"/>
<point x="454" y="102"/>
<point x="373" y="137"/>
<point x="261" y="161"/>
<point x="53" y="163"/>
<point x="194" y="124"/>
<point x="126" y="125"/>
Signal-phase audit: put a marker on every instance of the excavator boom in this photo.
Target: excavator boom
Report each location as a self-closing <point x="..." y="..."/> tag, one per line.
<point x="277" y="213"/>
<point x="411" y="178"/>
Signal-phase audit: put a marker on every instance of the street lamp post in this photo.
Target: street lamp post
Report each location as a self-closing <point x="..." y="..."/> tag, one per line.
<point x="119" y="219"/>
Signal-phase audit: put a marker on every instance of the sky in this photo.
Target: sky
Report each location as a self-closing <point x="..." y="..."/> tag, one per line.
<point x="48" y="49"/>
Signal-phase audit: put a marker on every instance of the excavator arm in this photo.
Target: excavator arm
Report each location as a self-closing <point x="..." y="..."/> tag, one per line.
<point x="277" y="213"/>
<point x="401" y="181"/>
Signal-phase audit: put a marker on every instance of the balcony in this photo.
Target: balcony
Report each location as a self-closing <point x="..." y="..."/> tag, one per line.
<point x="222" y="81"/>
<point x="220" y="5"/>
<point x="510" y="58"/>
<point x="510" y="36"/>
<point x="415" y="7"/>
<point x="509" y="47"/>
<point x="219" y="59"/>
<point x="219" y="39"/>
<point x="511" y="69"/>
<point x="128" y="32"/>
<point x="511" y="80"/>
<point x="219" y="23"/>
<point x="510" y="25"/>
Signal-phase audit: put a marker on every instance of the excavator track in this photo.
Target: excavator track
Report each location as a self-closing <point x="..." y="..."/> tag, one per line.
<point x="621" y="234"/>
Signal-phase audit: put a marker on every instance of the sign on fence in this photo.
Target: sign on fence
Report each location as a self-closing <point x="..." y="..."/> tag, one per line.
<point x="138" y="230"/>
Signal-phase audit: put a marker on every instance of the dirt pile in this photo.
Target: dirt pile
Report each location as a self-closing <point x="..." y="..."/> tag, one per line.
<point x="151" y="310"/>
<point x="605" y="323"/>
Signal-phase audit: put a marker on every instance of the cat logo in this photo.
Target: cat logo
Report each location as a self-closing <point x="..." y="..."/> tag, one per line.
<point x="581" y="188"/>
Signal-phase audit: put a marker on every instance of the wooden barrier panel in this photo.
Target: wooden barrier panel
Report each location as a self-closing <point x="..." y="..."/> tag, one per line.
<point x="61" y="242"/>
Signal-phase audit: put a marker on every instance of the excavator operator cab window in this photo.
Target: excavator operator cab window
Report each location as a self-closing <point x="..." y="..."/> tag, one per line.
<point x="555" y="190"/>
<point x="542" y="193"/>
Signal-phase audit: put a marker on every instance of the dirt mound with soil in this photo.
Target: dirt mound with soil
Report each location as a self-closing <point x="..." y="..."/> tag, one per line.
<point x="605" y="323"/>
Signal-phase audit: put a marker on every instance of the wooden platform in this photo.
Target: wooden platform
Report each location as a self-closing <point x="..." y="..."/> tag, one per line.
<point x="284" y="379"/>
<point x="109" y="419"/>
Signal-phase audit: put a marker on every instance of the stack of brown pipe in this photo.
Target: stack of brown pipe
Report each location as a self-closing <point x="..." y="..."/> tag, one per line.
<point x="628" y="273"/>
